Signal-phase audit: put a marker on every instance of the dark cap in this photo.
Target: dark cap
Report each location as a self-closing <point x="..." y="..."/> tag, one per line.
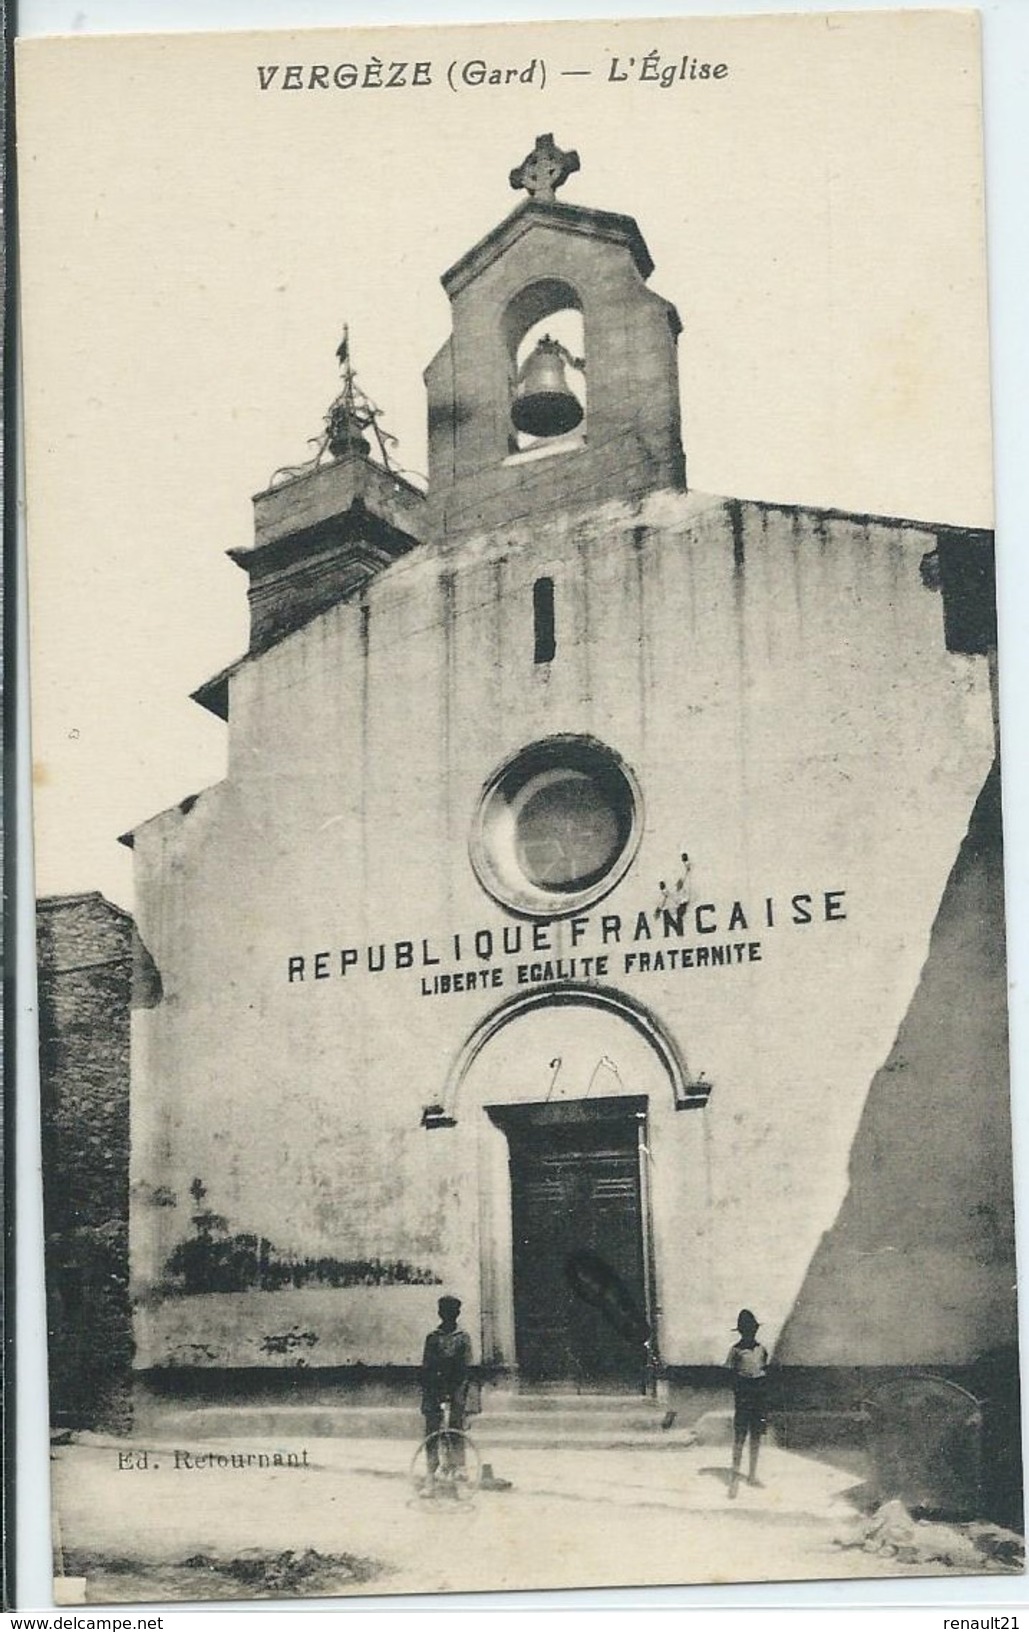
<point x="746" y="1321"/>
<point x="449" y="1306"/>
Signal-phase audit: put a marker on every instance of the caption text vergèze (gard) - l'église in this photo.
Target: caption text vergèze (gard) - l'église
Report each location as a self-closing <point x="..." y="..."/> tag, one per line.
<point x="474" y="73"/>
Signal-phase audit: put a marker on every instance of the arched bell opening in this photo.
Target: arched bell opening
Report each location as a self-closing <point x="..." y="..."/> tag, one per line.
<point x="544" y="336"/>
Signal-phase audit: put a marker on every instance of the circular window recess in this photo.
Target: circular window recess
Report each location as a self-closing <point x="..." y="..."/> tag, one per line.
<point x="556" y="827"/>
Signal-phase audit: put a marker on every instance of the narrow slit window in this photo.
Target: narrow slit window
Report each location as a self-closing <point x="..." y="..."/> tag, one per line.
<point x="543" y="620"/>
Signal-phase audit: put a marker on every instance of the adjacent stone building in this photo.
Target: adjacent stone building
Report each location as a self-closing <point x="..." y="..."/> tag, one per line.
<point x="601" y="914"/>
<point x="85" y="952"/>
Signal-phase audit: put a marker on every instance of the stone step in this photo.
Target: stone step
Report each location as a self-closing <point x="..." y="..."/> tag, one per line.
<point x="553" y="1434"/>
<point x="529" y="1400"/>
<point x="643" y="1420"/>
<point x="593" y="1428"/>
<point x="714" y="1427"/>
<point x="296" y="1422"/>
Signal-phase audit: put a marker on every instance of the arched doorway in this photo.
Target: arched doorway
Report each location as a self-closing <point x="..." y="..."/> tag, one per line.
<point x="579" y="1263"/>
<point x="562" y="1098"/>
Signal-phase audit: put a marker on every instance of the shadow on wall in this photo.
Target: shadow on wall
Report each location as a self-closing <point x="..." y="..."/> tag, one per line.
<point x="918" y="1271"/>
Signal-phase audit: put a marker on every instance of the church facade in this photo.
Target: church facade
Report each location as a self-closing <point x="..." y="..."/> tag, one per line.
<point x="601" y="917"/>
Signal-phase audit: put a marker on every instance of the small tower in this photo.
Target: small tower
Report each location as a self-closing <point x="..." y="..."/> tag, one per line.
<point x="325" y="528"/>
<point x="601" y="425"/>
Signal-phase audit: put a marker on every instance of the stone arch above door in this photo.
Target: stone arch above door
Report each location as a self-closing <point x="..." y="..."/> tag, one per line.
<point x="685" y="1092"/>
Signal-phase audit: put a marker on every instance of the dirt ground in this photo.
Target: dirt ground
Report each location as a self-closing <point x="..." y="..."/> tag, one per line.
<point x="350" y="1522"/>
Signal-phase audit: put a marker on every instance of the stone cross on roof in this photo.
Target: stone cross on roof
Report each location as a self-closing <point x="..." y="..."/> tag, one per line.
<point x="544" y="170"/>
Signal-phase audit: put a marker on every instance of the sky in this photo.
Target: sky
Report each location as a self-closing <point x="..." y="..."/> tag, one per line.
<point x="191" y="247"/>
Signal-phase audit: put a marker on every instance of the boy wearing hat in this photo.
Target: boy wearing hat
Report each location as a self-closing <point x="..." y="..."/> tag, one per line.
<point x="748" y="1362"/>
<point x="446" y="1359"/>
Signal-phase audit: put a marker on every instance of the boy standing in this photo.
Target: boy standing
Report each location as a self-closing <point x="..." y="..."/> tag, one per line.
<point x="446" y="1359"/>
<point x="748" y="1362"/>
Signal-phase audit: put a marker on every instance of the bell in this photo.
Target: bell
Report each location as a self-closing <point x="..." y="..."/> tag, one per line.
<point x="544" y="403"/>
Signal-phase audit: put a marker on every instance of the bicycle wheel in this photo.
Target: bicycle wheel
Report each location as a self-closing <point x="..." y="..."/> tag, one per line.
<point x="446" y="1469"/>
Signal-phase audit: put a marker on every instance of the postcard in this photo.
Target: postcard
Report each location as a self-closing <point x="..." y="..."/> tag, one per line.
<point x="517" y="793"/>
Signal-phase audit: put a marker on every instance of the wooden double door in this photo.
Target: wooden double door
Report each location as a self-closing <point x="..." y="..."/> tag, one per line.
<point x="579" y="1260"/>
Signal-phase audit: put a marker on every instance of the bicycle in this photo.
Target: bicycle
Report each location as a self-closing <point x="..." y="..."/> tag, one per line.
<point x="446" y="1469"/>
